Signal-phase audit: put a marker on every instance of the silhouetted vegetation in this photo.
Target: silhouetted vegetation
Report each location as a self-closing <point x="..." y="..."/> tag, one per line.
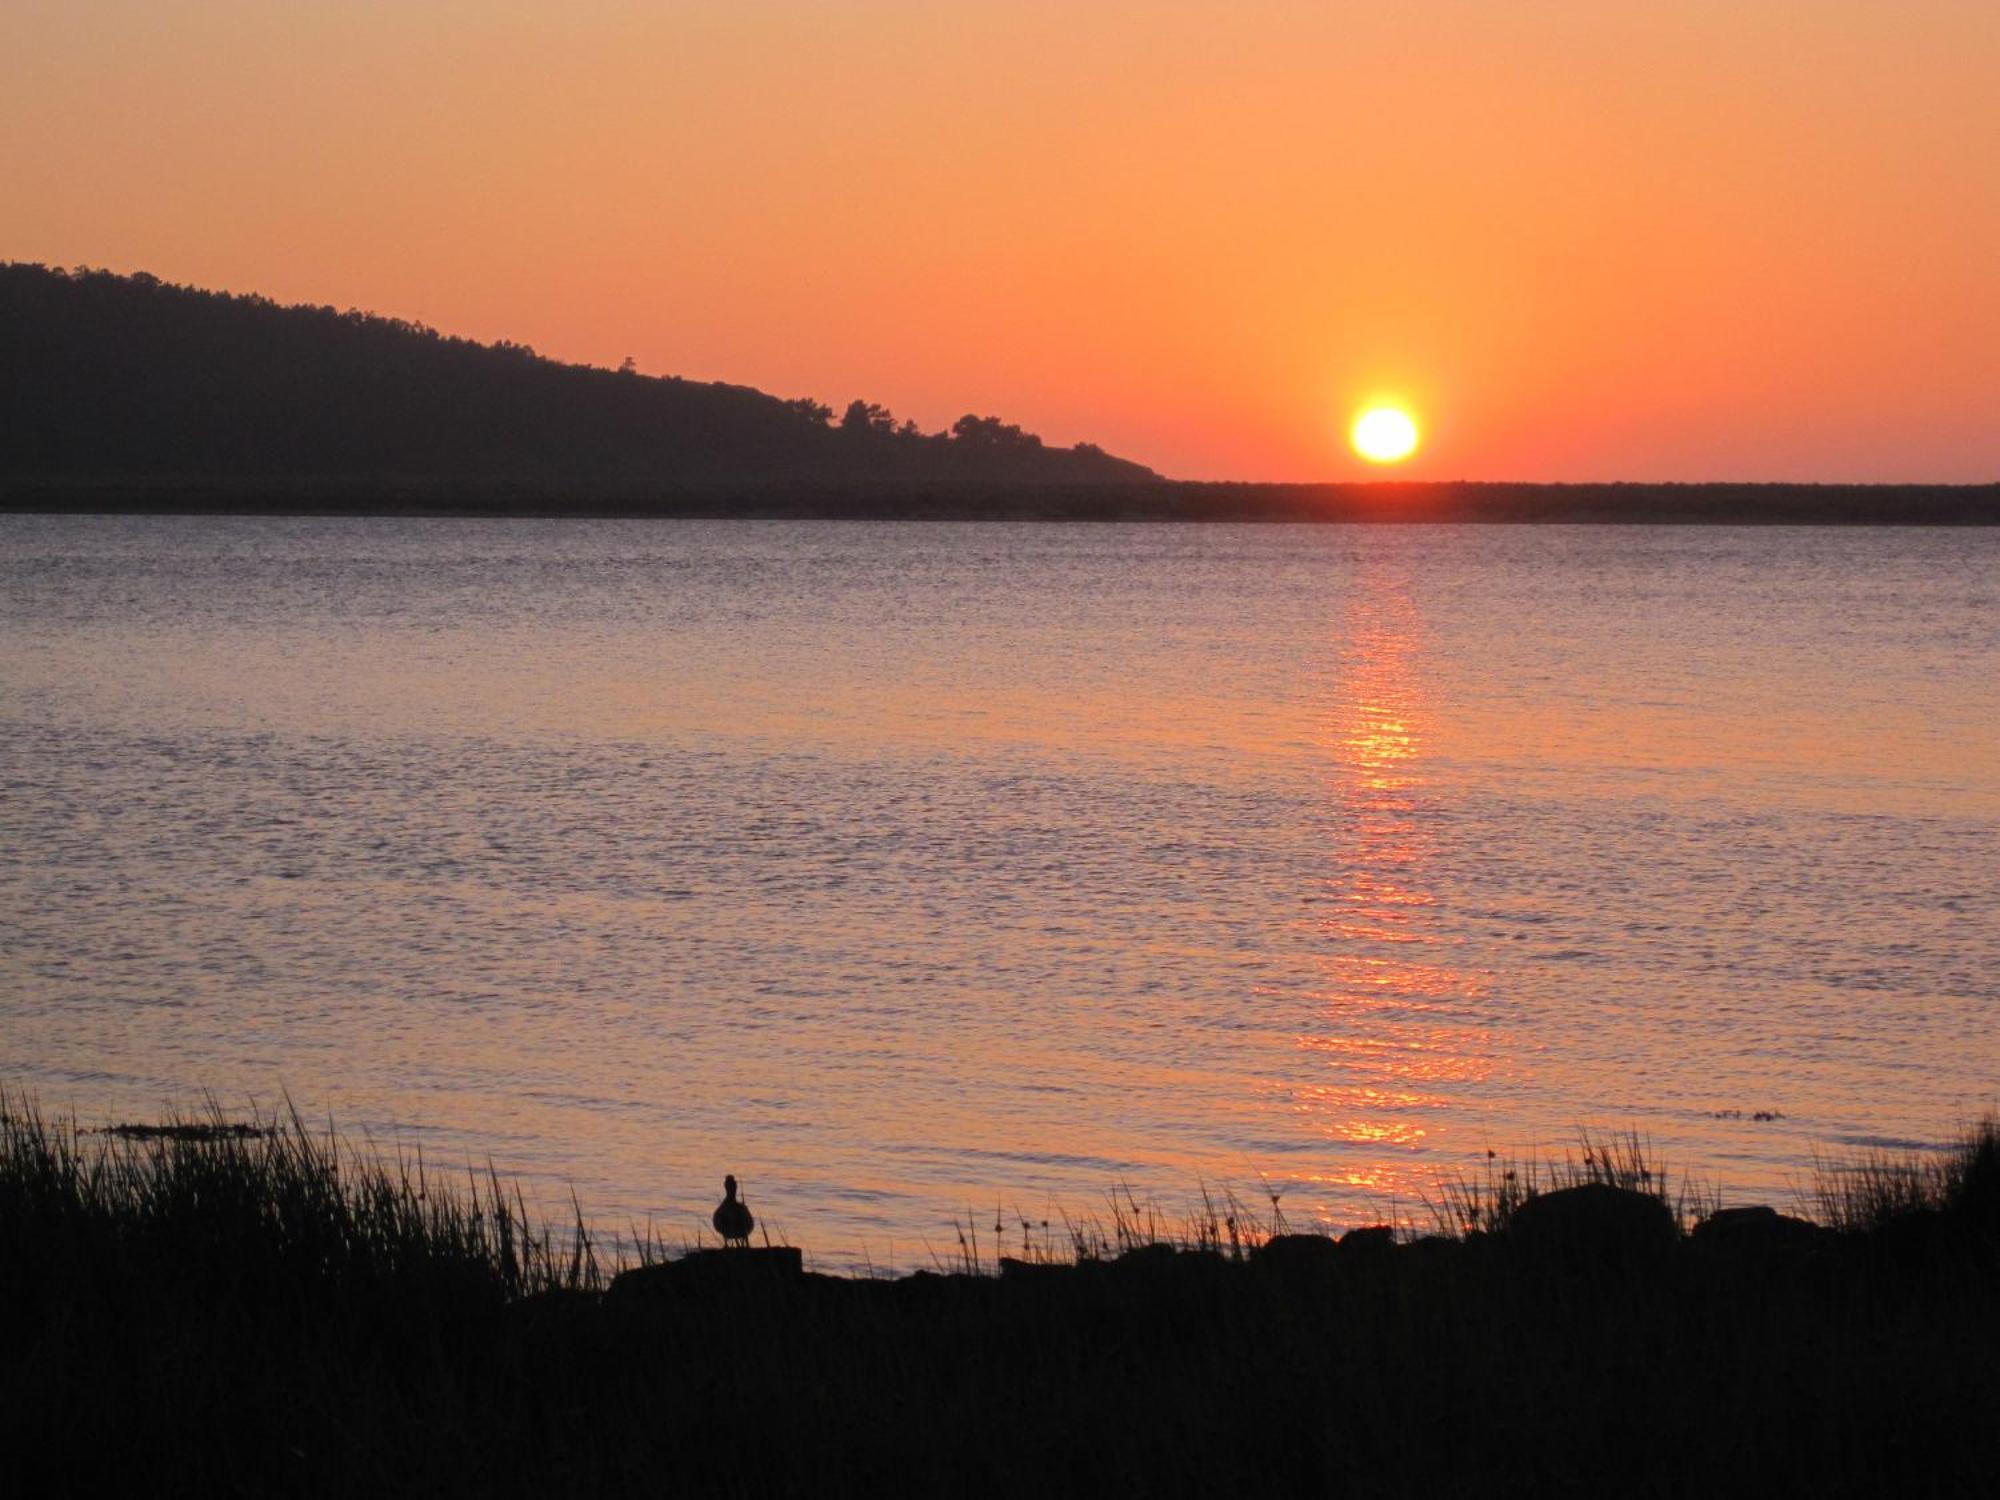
<point x="106" y="377"/>
<point x="239" y="1312"/>
<point x="1882" y="1190"/>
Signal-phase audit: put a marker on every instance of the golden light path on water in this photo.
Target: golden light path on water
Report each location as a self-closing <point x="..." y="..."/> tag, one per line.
<point x="1400" y="1016"/>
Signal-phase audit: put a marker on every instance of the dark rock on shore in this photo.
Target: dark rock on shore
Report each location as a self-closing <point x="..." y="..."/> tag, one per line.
<point x="1296" y="1254"/>
<point x="1033" y="1270"/>
<point x="1155" y="1269"/>
<point x="1757" y="1231"/>
<point x="713" y="1272"/>
<point x="1593" y="1225"/>
<point x="1371" y="1240"/>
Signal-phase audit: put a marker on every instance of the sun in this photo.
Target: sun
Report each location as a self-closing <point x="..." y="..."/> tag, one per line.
<point x="1384" y="434"/>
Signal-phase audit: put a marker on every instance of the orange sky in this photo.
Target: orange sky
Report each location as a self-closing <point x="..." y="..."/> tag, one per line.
<point x="1643" y="239"/>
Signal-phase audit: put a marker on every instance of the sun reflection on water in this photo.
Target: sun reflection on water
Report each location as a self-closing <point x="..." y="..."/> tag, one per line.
<point x="1398" y="1037"/>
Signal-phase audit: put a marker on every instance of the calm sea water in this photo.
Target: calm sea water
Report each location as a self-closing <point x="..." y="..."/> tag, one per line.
<point x="911" y="871"/>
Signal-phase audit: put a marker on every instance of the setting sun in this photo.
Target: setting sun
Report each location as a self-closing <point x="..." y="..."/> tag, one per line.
<point x="1384" y="434"/>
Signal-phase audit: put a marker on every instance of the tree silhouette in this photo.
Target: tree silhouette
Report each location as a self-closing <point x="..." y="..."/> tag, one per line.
<point x="129" y="378"/>
<point x="865" y="417"/>
<point x="991" y="432"/>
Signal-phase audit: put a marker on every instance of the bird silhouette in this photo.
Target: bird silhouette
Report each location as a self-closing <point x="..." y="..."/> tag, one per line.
<point x="732" y="1219"/>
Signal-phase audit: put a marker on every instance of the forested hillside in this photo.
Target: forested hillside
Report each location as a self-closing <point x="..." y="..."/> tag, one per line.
<point x="106" y="377"/>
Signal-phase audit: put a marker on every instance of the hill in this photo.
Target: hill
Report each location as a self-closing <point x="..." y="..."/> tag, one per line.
<point x="107" y="378"/>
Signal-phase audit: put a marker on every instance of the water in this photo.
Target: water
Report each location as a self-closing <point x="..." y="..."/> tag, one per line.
<point x="911" y="871"/>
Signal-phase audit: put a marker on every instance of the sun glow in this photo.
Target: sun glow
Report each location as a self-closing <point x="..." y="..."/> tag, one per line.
<point x="1384" y="434"/>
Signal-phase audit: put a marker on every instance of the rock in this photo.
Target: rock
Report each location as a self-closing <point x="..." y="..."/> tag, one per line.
<point x="709" y="1272"/>
<point x="1755" y="1231"/>
<point x="643" y="1281"/>
<point x="1434" y="1246"/>
<point x="1296" y="1254"/>
<point x="1595" y="1224"/>
<point x="1164" y="1266"/>
<point x="1033" y="1270"/>
<point x="1371" y="1240"/>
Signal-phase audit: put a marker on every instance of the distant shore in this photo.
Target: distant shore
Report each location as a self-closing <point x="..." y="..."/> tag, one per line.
<point x="1159" y="501"/>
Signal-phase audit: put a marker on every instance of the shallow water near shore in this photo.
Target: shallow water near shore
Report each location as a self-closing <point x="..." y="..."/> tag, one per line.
<point x="907" y="871"/>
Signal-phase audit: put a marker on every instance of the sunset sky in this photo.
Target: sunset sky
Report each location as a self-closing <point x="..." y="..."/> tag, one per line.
<point x="1583" y="239"/>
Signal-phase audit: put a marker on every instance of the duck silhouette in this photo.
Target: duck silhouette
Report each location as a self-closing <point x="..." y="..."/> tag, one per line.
<point x="732" y="1219"/>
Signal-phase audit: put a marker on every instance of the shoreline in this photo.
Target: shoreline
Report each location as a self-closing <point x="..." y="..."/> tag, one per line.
<point x="1165" y="501"/>
<point x="242" y="1312"/>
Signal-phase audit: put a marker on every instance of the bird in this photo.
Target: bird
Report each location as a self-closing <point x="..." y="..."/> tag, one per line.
<point x="732" y="1219"/>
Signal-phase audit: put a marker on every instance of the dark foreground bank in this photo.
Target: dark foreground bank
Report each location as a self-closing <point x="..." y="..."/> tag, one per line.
<point x="232" y="1313"/>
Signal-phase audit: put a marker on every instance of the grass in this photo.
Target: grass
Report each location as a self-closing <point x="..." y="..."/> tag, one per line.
<point x="273" y="1203"/>
<point x="1871" y="1192"/>
<point x="1486" y="1203"/>
<point x="272" y="1311"/>
<point x="1223" y="1226"/>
